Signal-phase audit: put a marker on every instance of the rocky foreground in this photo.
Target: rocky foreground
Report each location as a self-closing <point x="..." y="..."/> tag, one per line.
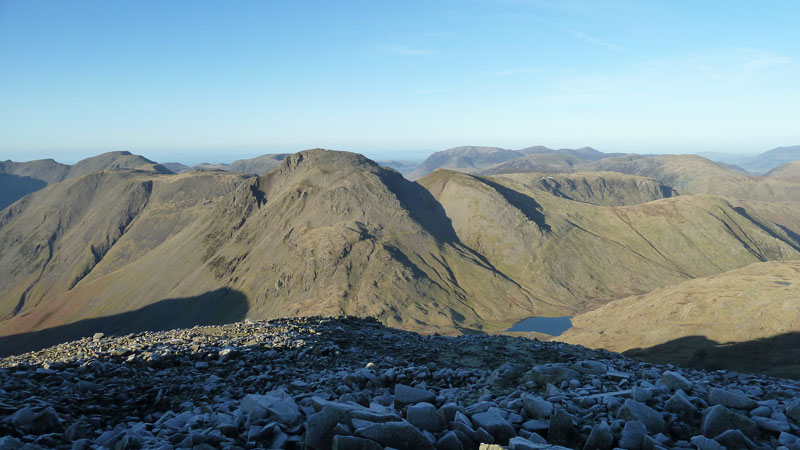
<point x="348" y="383"/>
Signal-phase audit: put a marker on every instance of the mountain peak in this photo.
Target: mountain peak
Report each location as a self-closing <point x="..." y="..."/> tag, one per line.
<point x="321" y="157"/>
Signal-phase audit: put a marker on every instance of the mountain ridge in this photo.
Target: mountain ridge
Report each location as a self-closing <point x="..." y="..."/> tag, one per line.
<point x="346" y="223"/>
<point x="329" y="232"/>
<point x="472" y="159"/>
<point x="35" y="175"/>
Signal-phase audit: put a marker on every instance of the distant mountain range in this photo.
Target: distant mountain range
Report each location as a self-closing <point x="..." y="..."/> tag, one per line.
<point x="489" y="160"/>
<point x="758" y="164"/>
<point x="510" y="234"/>
<point x="788" y="171"/>
<point x="259" y="165"/>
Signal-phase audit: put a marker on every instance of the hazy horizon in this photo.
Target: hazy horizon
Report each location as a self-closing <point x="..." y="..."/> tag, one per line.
<point x="226" y="156"/>
<point x="208" y="82"/>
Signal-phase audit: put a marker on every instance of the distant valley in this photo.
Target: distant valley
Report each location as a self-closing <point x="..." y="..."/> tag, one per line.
<point x="484" y="237"/>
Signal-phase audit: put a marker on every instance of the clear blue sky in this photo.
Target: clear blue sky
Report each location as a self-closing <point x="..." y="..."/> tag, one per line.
<point x="213" y="81"/>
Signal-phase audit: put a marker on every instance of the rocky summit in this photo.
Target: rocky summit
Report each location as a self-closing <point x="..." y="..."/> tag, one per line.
<point x="351" y="383"/>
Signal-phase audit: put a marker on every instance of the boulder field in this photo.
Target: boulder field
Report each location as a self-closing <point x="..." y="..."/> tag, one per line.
<point x="350" y="383"/>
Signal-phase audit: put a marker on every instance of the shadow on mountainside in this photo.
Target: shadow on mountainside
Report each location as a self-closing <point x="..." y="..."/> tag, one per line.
<point x="421" y="205"/>
<point x="793" y="237"/>
<point x="777" y="356"/>
<point x="14" y="187"/>
<point x="525" y="204"/>
<point x="212" y="308"/>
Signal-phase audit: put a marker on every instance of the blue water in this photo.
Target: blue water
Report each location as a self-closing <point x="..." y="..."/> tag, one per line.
<point x="553" y="326"/>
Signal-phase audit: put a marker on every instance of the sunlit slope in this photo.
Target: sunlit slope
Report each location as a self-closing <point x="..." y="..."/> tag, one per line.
<point x="464" y="159"/>
<point x="325" y="233"/>
<point x="753" y="302"/>
<point x="545" y="163"/>
<point x="259" y="165"/>
<point x="333" y="232"/>
<point x="564" y="250"/>
<point x="114" y="161"/>
<point x="698" y="175"/>
<point x="46" y="170"/>
<point x="597" y="188"/>
<point x="18" y="179"/>
<point x="53" y="240"/>
<point x="789" y="171"/>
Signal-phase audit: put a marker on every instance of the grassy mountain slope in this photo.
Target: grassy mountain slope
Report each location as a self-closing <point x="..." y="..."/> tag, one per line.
<point x="788" y="171"/>
<point x="325" y="233"/>
<point x="544" y="163"/>
<point x="47" y="170"/>
<point x="597" y="188"/>
<point x="583" y="153"/>
<point x="697" y="175"/>
<point x="333" y="232"/>
<point x="259" y="165"/>
<point x="18" y="179"/>
<point x="567" y="251"/>
<point x="464" y="159"/>
<point x="750" y="303"/>
<point x="349" y="236"/>
<point x="490" y="160"/>
<point x="53" y="239"/>
<point x="114" y="161"/>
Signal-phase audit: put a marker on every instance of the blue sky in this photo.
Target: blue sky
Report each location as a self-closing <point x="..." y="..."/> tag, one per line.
<point x="214" y="81"/>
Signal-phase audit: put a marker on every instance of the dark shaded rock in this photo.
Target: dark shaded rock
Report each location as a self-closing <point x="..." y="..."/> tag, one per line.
<point x="407" y="395"/>
<point x="536" y="407"/>
<point x="551" y="373"/>
<point x="652" y="419"/>
<point x="424" y="416"/>
<point x="354" y="443"/>
<point x="600" y="438"/>
<point x="590" y="367"/>
<point x="400" y="435"/>
<point x="719" y="419"/>
<point x="319" y="426"/>
<point x="37" y="422"/>
<point x="704" y="443"/>
<point x="768" y="424"/>
<point x="793" y="409"/>
<point x="276" y="404"/>
<point x="633" y="435"/>
<point x="676" y="381"/>
<point x="449" y="441"/>
<point x="562" y="428"/>
<point x="735" y="439"/>
<point x="680" y="405"/>
<point x="495" y="424"/>
<point x="730" y="399"/>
